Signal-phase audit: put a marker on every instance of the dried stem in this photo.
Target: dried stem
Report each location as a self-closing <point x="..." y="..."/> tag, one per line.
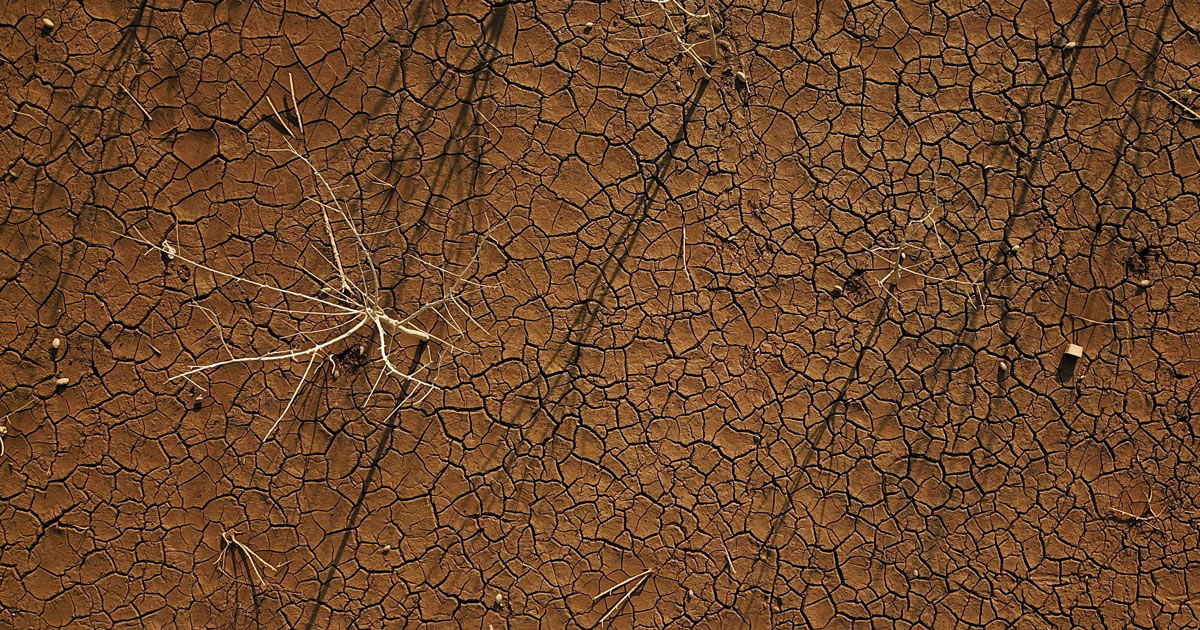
<point x="644" y="575"/>
<point x="251" y="558"/>
<point x="135" y="102"/>
<point x="355" y="304"/>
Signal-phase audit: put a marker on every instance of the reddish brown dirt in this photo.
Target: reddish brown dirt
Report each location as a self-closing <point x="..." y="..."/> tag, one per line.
<point x="783" y="427"/>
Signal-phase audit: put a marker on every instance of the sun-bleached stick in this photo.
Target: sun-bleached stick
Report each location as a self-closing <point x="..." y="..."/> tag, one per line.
<point x="644" y="575"/>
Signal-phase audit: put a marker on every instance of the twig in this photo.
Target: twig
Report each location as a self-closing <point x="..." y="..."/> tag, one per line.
<point x="676" y="31"/>
<point x="296" y="104"/>
<point x="1191" y="112"/>
<point x="31" y="117"/>
<point x="728" y="558"/>
<point x="281" y="120"/>
<point x="248" y="555"/>
<point x="644" y="575"/>
<point x="683" y="250"/>
<point x="1122" y="514"/>
<point x="712" y="31"/>
<point x="135" y="102"/>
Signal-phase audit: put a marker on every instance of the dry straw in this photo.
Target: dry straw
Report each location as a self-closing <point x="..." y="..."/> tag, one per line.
<point x="351" y="303"/>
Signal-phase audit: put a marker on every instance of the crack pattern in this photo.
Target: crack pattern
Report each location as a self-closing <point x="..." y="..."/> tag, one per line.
<point x="771" y="332"/>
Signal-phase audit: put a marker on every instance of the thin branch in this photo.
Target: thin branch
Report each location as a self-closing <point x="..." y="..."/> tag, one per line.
<point x="280" y="118"/>
<point x="248" y="555"/>
<point x="135" y="102"/>
<point x="1192" y="115"/>
<point x="644" y="575"/>
<point x="296" y="104"/>
<point x="620" y="584"/>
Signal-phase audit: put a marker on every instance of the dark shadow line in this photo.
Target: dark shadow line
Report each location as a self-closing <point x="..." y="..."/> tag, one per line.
<point x="109" y="65"/>
<point x="588" y="314"/>
<point x="385" y="443"/>
<point x="443" y="175"/>
<point x="825" y="428"/>
<point x="589" y="310"/>
<point x="590" y="307"/>
<point x="942" y="366"/>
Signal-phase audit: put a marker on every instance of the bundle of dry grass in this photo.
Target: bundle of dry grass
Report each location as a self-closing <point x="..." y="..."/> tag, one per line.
<point x="345" y="302"/>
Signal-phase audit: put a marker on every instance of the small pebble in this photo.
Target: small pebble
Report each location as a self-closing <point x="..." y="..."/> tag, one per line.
<point x="836" y="290"/>
<point x="387" y="548"/>
<point x="47" y="23"/>
<point x="62" y="381"/>
<point x="56" y="344"/>
<point x="587" y="28"/>
<point x="499" y="598"/>
<point x="1144" y="282"/>
<point x="1069" y="45"/>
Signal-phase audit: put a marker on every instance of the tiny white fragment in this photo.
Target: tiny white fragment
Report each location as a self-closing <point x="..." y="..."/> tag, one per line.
<point x="62" y="380"/>
<point x="168" y="249"/>
<point x="56" y="343"/>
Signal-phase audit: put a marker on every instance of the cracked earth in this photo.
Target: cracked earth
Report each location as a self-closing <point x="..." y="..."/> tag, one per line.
<point x="764" y="321"/>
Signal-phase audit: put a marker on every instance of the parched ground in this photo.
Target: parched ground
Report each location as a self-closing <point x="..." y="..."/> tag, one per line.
<point x="769" y="317"/>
